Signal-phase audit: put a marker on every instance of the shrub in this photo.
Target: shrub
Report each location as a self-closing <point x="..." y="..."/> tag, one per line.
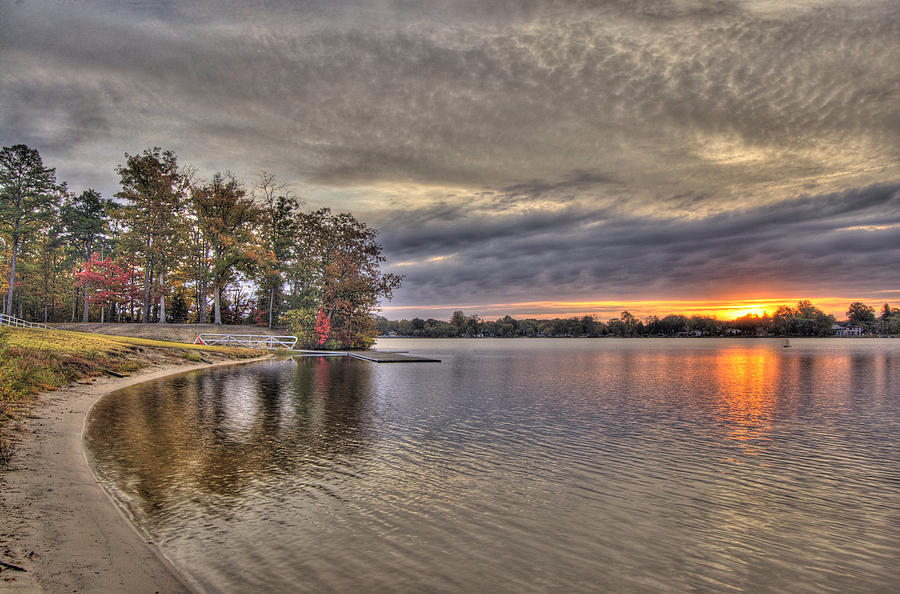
<point x="301" y="323"/>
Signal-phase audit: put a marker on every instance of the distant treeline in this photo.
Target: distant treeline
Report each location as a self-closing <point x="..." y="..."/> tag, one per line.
<point x="803" y="320"/>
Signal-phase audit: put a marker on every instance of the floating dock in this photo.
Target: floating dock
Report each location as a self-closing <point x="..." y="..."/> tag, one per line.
<point x="373" y="356"/>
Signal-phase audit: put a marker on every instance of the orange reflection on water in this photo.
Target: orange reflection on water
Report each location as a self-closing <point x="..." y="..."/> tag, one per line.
<point x="747" y="379"/>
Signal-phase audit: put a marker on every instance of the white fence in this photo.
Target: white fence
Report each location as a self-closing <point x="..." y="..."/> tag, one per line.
<point x="6" y="320"/>
<point x="250" y="341"/>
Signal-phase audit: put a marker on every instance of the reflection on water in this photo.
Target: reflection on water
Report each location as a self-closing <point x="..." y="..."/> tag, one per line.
<point x="524" y="465"/>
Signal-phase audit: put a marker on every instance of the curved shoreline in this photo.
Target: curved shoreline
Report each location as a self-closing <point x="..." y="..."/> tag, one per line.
<point x="56" y="519"/>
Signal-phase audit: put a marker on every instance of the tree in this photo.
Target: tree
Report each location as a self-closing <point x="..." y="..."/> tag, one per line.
<point x="84" y="219"/>
<point x="228" y="219"/>
<point x="889" y="320"/>
<point x="154" y="188"/>
<point x="179" y="309"/>
<point x="322" y="327"/>
<point x="625" y="325"/>
<point x="279" y="229"/>
<point x="473" y="325"/>
<point x="458" y="323"/>
<point x="107" y="280"/>
<point x="301" y="322"/>
<point x="52" y="264"/>
<point x="861" y="314"/>
<point x="29" y="196"/>
<point x="337" y="270"/>
<point x="198" y="265"/>
<point x="352" y="281"/>
<point x="804" y="320"/>
<point x="507" y="326"/>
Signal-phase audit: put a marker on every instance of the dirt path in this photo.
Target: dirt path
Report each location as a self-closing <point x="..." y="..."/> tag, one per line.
<point x="57" y="522"/>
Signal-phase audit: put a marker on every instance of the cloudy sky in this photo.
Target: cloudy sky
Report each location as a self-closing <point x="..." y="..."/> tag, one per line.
<point x="532" y="157"/>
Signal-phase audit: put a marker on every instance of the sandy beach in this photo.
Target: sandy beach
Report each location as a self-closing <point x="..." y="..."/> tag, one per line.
<point x="57" y="522"/>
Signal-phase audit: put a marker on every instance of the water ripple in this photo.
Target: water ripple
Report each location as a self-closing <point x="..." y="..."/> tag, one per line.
<point x="524" y="466"/>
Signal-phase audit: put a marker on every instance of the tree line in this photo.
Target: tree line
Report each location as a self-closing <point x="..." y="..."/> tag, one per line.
<point x="805" y="319"/>
<point x="171" y="246"/>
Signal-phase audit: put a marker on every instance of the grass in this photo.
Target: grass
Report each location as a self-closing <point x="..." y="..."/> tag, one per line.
<point x="34" y="361"/>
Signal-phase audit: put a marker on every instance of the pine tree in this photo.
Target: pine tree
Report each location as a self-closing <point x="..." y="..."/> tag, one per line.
<point x="154" y="189"/>
<point x="29" y="196"/>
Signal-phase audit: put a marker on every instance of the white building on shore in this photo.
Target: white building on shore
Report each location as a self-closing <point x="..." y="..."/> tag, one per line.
<point x="847" y="330"/>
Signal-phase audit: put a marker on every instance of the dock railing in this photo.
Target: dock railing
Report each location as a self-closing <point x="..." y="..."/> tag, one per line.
<point x="6" y="320"/>
<point x="250" y="341"/>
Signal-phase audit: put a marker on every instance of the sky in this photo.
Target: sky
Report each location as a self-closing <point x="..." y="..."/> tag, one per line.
<point x="531" y="157"/>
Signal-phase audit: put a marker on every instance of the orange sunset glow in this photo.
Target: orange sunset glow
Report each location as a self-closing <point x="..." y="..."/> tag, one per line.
<point x="720" y="309"/>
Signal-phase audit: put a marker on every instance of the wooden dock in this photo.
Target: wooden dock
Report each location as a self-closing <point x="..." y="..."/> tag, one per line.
<point x="391" y="357"/>
<point x="373" y="356"/>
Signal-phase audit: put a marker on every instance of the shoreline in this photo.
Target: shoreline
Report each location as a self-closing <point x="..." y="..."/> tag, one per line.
<point x="56" y="519"/>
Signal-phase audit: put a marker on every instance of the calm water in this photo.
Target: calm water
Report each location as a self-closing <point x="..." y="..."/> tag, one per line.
<point x="523" y="466"/>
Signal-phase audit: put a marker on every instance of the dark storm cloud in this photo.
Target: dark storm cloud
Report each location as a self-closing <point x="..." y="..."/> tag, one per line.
<point x="810" y="243"/>
<point x="547" y="146"/>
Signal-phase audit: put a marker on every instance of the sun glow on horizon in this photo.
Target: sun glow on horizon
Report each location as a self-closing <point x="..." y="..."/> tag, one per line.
<point x="753" y="311"/>
<point x="725" y="310"/>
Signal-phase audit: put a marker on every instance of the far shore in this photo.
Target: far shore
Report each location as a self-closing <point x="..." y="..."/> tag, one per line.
<point x="56" y="521"/>
<point x="667" y="337"/>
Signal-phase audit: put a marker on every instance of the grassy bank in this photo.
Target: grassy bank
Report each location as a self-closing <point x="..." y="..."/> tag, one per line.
<point x="33" y="361"/>
<point x="168" y="332"/>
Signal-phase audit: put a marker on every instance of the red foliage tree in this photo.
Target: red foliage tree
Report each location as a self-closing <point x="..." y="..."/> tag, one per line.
<point x="322" y="327"/>
<point x="105" y="277"/>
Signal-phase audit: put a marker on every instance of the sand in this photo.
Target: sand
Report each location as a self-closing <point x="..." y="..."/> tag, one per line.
<point x="58" y="523"/>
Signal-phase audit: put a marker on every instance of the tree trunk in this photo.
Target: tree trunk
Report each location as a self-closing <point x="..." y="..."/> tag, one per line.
<point x="162" y="299"/>
<point x="204" y="306"/>
<point x="84" y="315"/>
<point x="131" y="293"/>
<point x="218" y="307"/>
<point x="12" y="275"/>
<point x="271" y="304"/>
<point x="47" y="293"/>
<point x="147" y="304"/>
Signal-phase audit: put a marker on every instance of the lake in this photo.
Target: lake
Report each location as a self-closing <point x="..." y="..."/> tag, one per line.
<point x="522" y="465"/>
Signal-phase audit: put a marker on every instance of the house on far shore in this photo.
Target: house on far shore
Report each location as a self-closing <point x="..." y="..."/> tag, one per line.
<point x="847" y="330"/>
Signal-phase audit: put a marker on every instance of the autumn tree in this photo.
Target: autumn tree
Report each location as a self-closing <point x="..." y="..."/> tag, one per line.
<point x="29" y="196"/>
<point x="279" y="229"/>
<point x="228" y="218"/>
<point x="154" y="189"/>
<point x="84" y="219"/>
<point x="106" y="280"/>
<point x="352" y="282"/>
<point x="198" y="266"/>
